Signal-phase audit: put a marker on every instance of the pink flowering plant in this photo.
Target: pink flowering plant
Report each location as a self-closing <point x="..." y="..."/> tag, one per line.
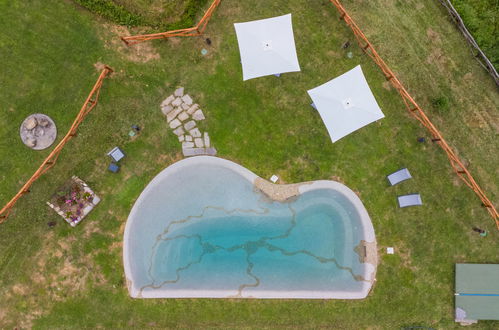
<point x="71" y="198"/>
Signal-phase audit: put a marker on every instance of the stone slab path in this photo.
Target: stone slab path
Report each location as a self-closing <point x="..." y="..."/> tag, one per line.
<point x="182" y="115"/>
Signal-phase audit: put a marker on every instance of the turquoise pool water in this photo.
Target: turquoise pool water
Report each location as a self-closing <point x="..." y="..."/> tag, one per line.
<point x="204" y="230"/>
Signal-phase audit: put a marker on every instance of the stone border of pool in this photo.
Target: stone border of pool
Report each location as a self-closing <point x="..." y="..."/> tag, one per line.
<point x="276" y="192"/>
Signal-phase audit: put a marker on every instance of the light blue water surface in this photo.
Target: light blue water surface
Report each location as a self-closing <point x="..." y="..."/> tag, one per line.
<point x="208" y="228"/>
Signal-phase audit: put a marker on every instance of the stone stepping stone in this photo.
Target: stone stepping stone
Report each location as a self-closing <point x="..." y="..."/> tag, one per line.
<point x="199" y="142"/>
<point x="177" y="102"/>
<point x="175" y="123"/>
<point x="167" y="101"/>
<point x="193" y="108"/>
<point x="183" y="116"/>
<point x="190" y="125"/>
<point x="166" y="109"/>
<point x="206" y="139"/>
<point x="187" y="99"/>
<point x="195" y="132"/>
<point x="186" y="145"/>
<point x="179" y="131"/>
<point x="172" y="114"/>
<point x="179" y="92"/>
<point x="198" y="115"/>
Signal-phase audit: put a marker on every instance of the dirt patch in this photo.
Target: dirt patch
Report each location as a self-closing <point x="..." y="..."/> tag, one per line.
<point x="333" y="54"/>
<point x="386" y="85"/>
<point x="433" y="36"/>
<point x="142" y="52"/>
<point x="99" y="66"/>
<point x="20" y="289"/>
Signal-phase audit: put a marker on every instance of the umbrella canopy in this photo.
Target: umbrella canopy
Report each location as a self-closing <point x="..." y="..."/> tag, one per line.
<point x="346" y="103"/>
<point x="267" y="47"/>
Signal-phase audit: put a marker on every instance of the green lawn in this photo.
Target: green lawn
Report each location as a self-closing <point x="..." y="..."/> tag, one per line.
<point x="482" y="20"/>
<point x="67" y="277"/>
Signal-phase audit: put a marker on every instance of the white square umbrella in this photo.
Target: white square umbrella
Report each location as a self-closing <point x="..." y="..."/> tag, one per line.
<point x="267" y="47"/>
<point x="346" y="103"/>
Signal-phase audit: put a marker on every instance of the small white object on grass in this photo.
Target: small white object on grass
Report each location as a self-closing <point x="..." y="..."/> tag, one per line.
<point x="390" y="250"/>
<point x="274" y="178"/>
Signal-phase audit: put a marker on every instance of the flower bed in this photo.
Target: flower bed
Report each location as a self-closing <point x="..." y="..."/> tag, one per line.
<point x="73" y="201"/>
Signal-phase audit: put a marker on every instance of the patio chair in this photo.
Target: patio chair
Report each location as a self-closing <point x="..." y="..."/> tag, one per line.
<point x="116" y="154"/>
<point x="409" y="200"/>
<point x="399" y="176"/>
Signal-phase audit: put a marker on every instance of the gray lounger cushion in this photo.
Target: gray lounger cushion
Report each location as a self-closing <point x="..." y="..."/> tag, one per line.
<point x="399" y="176"/>
<point x="410" y="200"/>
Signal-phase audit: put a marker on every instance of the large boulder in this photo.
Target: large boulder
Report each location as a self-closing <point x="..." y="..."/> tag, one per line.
<point x="30" y="123"/>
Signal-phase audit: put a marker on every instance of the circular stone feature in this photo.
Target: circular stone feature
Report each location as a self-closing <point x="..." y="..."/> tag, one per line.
<point x="38" y="131"/>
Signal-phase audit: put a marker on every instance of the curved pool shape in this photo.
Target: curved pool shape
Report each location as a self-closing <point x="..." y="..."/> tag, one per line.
<point x="207" y="227"/>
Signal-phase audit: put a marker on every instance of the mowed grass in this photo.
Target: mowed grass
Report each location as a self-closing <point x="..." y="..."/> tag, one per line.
<point x="72" y="278"/>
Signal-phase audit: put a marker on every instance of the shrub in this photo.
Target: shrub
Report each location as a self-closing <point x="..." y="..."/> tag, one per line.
<point x="441" y="103"/>
<point x="119" y="14"/>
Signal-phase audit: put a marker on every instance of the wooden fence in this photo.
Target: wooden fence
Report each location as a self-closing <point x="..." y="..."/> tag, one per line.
<point x="89" y="104"/>
<point x="479" y="55"/>
<point x="189" y="32"/>
<point x="416" y="111"/>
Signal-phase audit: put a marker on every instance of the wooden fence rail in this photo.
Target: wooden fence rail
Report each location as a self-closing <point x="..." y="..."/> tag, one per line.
<point x="89" y="104"/>
<point x="416" y="111"/>
<point x="479" y="55"/>
<point x="189" y="32"/>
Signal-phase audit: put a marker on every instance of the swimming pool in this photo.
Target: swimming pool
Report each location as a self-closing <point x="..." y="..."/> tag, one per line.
<point x="207" y="227"/>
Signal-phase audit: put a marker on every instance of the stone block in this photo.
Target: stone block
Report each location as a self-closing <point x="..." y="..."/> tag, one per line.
<point x="206" y="140"/>
<point x="187" y="99"/>
<point x="199" y="151"/>
<point x="179" y="131"/>
<point x="185" y="106"/>
<point x="183" y="116"/>
<point x="166" y="109"/>
<point x="187" y="144"/>
<point x="195" y="132"/>
<point x="199" y="142"/>
<point x="193" y="108"/>
<point x="177" y="102"/>
<point x="175" y="123"/>
<point x="188" y="138"/>
<point x="179" y="92"/>
<point x="210" y="151"/>
<point x="167" y="101"/>
<point x="193" y="152"/>
<point x="181" y="138"/>
<point x="30" y="123"/>
<point x="190" y="125"/>
<point x="172" y="114"/>
<point x="198" y="115"/>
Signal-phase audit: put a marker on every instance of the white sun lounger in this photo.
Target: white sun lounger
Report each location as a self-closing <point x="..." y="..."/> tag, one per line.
<point x="410" y="200"/>
<point x="399" y="176"/>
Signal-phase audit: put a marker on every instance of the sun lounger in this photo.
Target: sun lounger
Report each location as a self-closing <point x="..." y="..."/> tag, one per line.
<point x="410" y="200"/>
<point x="399" y="176"/>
